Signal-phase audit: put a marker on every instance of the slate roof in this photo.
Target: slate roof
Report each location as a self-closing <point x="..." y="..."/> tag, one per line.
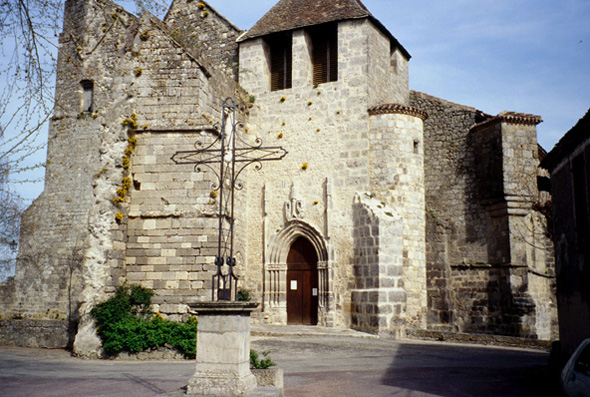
<point x="568" y="143"/>
<point x="293" y="14"/>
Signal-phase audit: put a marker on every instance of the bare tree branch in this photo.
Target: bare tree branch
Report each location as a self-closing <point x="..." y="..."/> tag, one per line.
<point x="28" y="53"/>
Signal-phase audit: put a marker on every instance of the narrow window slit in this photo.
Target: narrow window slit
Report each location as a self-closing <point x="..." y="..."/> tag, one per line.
<point x="87" y="96"/>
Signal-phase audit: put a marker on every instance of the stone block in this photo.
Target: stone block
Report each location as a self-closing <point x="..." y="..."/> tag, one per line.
<point x="269" y="377"/>
<point x="223" y="363"/>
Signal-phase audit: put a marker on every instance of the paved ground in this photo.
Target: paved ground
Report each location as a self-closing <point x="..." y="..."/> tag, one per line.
<point x="365" y="367"/>
<point x="314" y="364"/>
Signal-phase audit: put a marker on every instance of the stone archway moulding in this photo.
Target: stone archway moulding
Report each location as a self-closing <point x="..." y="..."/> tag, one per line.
<point x="281" y="242"/>
<point x="275" y="289"/>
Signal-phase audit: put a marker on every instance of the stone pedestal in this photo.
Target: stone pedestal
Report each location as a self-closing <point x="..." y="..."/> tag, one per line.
<point x="223" y="349"/>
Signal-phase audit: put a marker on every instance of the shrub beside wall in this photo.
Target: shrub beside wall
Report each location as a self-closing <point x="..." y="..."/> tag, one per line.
<point x="125" y="323"/>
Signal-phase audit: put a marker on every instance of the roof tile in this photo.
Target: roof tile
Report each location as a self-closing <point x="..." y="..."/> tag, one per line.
<point x="293" y="14"/>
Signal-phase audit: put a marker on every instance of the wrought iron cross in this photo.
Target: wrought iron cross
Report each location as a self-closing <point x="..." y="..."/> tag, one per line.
<point x="232" y="154"/>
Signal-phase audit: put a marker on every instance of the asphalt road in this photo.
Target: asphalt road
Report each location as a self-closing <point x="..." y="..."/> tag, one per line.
<point x="314" y="366"/>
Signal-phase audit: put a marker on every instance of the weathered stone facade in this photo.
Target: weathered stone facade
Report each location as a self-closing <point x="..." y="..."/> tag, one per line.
<point x="379" y="298"/>
<point x="489" y="260"/>
<point x="420" y="212"/>
<point x="353" y="151"/>
<point x="569" y="165"/>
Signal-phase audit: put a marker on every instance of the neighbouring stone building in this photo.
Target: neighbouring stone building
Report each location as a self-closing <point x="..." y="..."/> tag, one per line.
<point x="393" y="210"/>
<point x="569" y="165"/>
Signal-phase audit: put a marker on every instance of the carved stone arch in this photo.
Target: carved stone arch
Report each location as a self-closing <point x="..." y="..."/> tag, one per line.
<point x="280" y="243"/>
<point x="276" y="269"/>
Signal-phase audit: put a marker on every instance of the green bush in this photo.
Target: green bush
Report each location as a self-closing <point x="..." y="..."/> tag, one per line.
<point x="257" y="363"/>
<point x="243" y="295"/>
<point x="125" y="323"/>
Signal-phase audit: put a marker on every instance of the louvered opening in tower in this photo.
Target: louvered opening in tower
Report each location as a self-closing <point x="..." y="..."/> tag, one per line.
<point x="324" y="41"/>
<point x="280" y="61"/>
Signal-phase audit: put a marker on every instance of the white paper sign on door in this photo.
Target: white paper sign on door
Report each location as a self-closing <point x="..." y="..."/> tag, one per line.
<point x="314" y="291"/>
<point x="293" y="285"/>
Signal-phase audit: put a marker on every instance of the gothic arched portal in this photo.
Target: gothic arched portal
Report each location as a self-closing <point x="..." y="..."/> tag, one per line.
<point x="296" y="289"/>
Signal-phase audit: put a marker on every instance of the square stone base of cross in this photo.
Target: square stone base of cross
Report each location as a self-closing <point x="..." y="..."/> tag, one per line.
<point x="223" y="349"/>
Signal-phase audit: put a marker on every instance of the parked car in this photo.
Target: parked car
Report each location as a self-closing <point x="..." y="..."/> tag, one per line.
<point x="575" y="377"/>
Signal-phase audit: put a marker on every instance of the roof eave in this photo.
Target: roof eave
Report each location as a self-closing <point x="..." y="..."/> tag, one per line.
<point x="245" y="36"/>
<point x="575" y="136"/>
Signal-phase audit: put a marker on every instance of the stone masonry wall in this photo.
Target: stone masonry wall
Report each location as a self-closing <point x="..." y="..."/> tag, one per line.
<point x="324" y="129"/>
<point x="378" y="65"/>
<point x="455" y="225"/>
<point x="171" y="229"/>
<point x="572" y="269"/>
<point x="449" y="179"/>
<point x="383" y="60"/>
<point x="44" y="333"/>
<point x="399" y="74"/>
<point x="174" y="88"/>
<point x="397" y="178"/>
<point x="206" y="31"/>
<point x="487" y="186"/>
<point x="170" y="94"/>
<point x="172" y="224"/>
<point x="50" y="271"/>
<point x="379" y="296"/>
<point x="472" y="232"/>
<point x="528" y="251"/>
<point x="116" y="208"/>
<point x="74" y="248"/>
<point x="482" y="301"/>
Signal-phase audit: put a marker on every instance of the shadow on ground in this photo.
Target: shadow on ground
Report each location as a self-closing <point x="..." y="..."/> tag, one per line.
<point x="356" y="367"/>
<point x="456" y="371"/>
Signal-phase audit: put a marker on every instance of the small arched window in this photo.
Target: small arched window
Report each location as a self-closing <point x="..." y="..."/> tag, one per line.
<point x="87" y="96"/>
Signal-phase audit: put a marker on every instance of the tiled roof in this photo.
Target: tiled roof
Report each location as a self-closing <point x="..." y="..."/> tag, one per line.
<point x="395" y="108"/>
<point x="293" y="14"/>
<point x="568" y="143"/>
<point x="510" y="118"/>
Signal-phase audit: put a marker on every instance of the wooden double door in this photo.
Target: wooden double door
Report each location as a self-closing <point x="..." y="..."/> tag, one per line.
<point x="302" y="283"/>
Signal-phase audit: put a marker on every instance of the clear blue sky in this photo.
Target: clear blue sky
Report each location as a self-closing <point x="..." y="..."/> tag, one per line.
<point x="530" y="56"/>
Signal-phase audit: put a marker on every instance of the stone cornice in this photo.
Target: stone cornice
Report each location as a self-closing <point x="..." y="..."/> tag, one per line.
<point x="510" y="118"/>
<point x="520" y="118"/>
<point x="396" y="108"/>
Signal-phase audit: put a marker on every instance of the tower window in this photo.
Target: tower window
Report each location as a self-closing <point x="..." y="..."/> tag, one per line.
<point x="87" y="96"/>
<point x="281" y="58"/>
<point x="324" y="41"/>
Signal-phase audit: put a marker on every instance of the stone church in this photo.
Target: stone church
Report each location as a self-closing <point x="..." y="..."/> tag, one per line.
<point x="393" y="212"/>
